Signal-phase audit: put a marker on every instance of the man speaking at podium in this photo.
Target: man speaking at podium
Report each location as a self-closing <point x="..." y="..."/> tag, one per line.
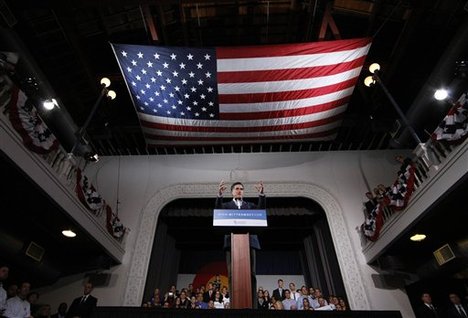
<point x="238" y="203"/>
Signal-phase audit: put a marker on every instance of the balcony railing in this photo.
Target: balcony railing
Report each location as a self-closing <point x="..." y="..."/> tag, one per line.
<point x="58" y="172"/>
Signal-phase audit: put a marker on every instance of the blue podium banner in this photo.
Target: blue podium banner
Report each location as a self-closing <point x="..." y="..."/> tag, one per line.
<point x="239" y="218"/>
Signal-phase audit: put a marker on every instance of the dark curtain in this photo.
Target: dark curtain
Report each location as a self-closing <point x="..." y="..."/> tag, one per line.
<point x="164" y="263"/>
<point x="323" y="269"/>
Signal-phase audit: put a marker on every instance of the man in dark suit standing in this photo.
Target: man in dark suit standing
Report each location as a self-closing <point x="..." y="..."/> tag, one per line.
<point x="456" y="309"/>
<point x="279" y="293"/>
<point x="83" y="306"/>
<point x="427" y="309"/>
<point x="238" y="203"/>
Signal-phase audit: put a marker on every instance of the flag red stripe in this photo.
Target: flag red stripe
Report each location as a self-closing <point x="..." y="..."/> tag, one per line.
<point x="289" y="50"/>
<point x="304" y="125"/>
<point x="281" y="75"/>
<point x="226" y="139"/>
<point x="284" y="113"/>
<point x="284" y="96"/>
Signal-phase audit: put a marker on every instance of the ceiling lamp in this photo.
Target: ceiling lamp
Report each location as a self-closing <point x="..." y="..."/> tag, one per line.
<point x="418" y="237"/>
<point x="50" y="104"/>
<point x="68" y="233"/>
<point x="441" y="94"/>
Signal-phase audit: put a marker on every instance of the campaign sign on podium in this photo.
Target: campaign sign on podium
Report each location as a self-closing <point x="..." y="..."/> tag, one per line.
<point x="241" y="218"/>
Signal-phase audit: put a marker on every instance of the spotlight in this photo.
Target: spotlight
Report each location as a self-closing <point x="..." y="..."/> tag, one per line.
<point x="68" y="233"/>
<point x="418" y="237"/>
<point x="49" y="104"/>
<point x="441" y="94"/>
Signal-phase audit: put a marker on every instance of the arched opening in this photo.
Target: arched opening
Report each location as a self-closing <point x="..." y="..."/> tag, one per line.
<point x="296" y="246"/>
<point x="140" y="255"/>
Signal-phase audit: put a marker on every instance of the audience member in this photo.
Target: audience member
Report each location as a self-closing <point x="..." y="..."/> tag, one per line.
<point x="12" y="290"/>
<point x="427" y="309"/>
<point x="278" y="293"/>
<point x="288" y="302"/>
<point x="294" y="294"/>
<point x="4" y="270"/>
<point x="18" y="306"/>
<point x="33" y="298"/>
<point x="306" y="304"/>
<point x="456" y="309"/>
<point x="61" y="311"/>
<point x="83" y="306"/>
<point x="156" y="300"/>
<point x="43" y="311"/>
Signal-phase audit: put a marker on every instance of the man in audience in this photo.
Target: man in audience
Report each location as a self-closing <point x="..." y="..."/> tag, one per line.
<point x="456" y="309"/>
<point x="200" y="304"/>
<point x="288" y="302"/>
<point x="12" y="290"/>
<point x="4" y="270"/>
<point x="61" y="311"/>
<point x="300" y="300"/>
<point x="294" y="294"/>
<point x="209" y="294"/>
<point x="370" y="204"/>
<point x="83" y="306"/>
<point x="18" y="306"/>
<point x="427" y="309"/>
<point x="278" y="293"/>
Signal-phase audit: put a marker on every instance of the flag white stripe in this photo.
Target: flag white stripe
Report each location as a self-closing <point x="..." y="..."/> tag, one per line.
<point x="290" y="62"/>
<point x="244" y="123"/>
<point x="156" y="142"/>
<point x="243" y="134"/>
<point x="287" y="85"/>
<point x="289" y="104"/>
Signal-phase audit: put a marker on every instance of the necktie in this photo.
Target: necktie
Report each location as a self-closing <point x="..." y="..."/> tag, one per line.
<point x="294" y="295"/>
<point x="461" y="311"/>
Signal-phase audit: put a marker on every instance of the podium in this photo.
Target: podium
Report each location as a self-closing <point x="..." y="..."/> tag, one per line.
<point x="239" y="223"/>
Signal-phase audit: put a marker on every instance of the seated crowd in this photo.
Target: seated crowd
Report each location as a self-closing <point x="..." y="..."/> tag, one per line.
<point x="17" y="300"/>
<point x="215" y="296"/>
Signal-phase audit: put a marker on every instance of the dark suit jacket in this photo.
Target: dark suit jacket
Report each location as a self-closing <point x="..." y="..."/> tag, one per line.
<point x="452" y="311"/>
<point x="206" y="296"/>
<point x="253" y="239"/>
<point x="82" y="309"/>
<point x="277" y="295"/>
<point x="245" y="204"/>
<point x="425" y="312"/>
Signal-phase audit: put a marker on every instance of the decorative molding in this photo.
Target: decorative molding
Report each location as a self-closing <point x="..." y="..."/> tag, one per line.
<point x="350" y="272"/>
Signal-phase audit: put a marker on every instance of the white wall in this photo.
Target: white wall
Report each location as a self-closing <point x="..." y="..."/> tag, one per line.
<point x="343" y="175"/>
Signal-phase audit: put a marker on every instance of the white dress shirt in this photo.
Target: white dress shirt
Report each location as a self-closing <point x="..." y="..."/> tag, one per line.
<point x="3" y="298"/>
<point x="17" y="308"/>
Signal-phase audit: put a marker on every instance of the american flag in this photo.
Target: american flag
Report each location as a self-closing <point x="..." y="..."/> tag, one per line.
<point x="292" y="92"/>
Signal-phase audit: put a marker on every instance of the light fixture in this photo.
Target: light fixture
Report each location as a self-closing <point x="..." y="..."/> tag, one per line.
<point x="105" y="81"/>
<point x="68" y="233"/>
<point x="441" y="94"/>
<point x="111" y="94"/>
<point x="375" y="78"/>
<point x="374" y="67"/>
<point x="369" y="81"/>
<point x="49" y="104"/>
<point x="417" y="237"/>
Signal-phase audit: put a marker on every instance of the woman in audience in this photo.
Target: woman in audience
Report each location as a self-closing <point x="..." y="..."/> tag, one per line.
<point x="218" y="300"/>
<point x="306" y="304"/>
<point x="224" y="292"/>
<point x="225" y="295"/>
<point x="156" y="299"/>
<point x="176" y="303"/>
<point x="342" y="304"/>
<point x="267" y="298"/>
<point x="261" y="303"/>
